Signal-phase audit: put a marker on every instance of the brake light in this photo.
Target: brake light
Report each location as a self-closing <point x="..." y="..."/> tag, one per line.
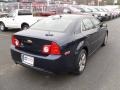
<point x="15" y="41"/>
<point x="53" y="49"/>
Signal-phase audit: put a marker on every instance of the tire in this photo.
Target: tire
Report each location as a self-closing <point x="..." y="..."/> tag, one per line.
<point x="2" y="27"/>
<point x="24" y="27"/>
<point x="105" y="40"/>
<point x="81" y="62"/>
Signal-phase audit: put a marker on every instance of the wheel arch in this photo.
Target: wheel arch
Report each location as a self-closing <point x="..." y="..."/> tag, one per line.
<point x="86" y="49"/>
<point x="24" y="23"/>
<point x="2" y="22"/>
<point x="81" y="46"/>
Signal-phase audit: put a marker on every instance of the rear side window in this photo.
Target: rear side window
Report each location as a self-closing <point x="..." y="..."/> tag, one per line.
<point x="78" y="28"/>
<point x="24" y="12"/>
<point x="88" y="24"/>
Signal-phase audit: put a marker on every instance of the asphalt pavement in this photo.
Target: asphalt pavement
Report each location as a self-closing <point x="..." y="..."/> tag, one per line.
<point x="102" y="72"/>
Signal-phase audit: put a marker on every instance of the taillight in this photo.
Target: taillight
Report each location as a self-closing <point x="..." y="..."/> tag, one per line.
<point x="53" y="49"/>
<point x="15" y="41"/>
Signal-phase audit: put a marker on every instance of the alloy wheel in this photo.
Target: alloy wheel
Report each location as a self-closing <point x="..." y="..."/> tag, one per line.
<point x="2" y="27"/>
<point x="82" y="61"/>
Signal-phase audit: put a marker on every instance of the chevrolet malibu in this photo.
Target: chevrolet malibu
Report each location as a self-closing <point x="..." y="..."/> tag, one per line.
<point x="59" y="43"/>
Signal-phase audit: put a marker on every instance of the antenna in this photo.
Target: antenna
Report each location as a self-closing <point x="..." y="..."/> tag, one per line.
<point x="57" y="17"/>
<point x="60" y="16"/>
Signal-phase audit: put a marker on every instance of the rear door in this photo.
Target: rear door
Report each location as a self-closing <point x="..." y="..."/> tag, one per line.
<point x="90" y="33"/>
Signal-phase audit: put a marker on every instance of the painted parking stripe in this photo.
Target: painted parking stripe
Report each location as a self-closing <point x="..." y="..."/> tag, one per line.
<point x="4" y="35"/>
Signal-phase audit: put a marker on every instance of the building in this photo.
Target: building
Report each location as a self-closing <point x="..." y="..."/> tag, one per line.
<point x="8" y="0"/>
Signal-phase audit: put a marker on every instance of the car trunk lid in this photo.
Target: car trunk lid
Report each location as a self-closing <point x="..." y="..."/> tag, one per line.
<point x="33" y="41"/>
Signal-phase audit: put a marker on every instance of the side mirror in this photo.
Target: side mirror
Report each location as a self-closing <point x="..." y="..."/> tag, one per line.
<point x="100" y="19"/>
<point x="103" y="25"/>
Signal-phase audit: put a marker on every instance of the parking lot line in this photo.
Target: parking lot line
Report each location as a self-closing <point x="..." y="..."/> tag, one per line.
<point x="4" y="35"/>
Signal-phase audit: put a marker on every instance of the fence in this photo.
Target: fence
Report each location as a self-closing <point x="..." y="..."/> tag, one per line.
<point x="36" y="7"/>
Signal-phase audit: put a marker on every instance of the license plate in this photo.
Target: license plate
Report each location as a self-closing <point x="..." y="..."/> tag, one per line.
<point x="28" y="60"/>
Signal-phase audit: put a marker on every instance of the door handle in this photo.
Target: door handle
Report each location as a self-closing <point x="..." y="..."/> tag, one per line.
<point x="13" y="19"/>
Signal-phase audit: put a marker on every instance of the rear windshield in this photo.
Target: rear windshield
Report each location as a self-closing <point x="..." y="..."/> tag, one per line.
<point x="24" y="12"/>
<point x="52" y="24"/>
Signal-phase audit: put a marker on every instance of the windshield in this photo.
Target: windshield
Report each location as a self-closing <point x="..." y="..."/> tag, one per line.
<point x="88" y="10"/>
<point x="74" y="9"/>
<point x="52" y="24"/>
<point x="94" y="10"/>
<point x="100" y="10"/>
<point x="81" y="9"/>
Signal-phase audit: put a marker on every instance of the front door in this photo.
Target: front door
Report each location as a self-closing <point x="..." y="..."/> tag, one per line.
<point x="10" y="20"/>
<point x="91" y="34"/>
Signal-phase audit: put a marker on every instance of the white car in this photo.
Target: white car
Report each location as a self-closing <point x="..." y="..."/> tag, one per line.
<point x="18" y="19"/>
<point x="114" y="9"/>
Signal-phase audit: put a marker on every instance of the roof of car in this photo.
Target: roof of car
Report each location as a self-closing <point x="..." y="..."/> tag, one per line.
<point x="71" y="16"/>
<point x="22" y="9"/>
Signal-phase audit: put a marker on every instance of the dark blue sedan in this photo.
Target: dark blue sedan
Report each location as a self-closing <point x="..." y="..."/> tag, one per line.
<point x="59" y="43"/>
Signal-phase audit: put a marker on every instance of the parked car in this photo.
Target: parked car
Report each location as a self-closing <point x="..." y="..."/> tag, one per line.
<point x="91" y="11"/>
<point x="18" y="19"/>
<point x="71" y="10"/>
<point x="83" y="10"/>
<point x="116" y="12"/>
<point x="60" y="43"/>
<point x="109" y="14"/>
<point x="113" y="9"/>
<point x="101" y="13"/>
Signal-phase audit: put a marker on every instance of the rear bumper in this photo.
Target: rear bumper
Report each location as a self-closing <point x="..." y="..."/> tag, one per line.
<point x="53" y="63"/>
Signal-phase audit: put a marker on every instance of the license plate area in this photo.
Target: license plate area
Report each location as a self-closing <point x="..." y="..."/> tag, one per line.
<point x="28" y="60"/>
